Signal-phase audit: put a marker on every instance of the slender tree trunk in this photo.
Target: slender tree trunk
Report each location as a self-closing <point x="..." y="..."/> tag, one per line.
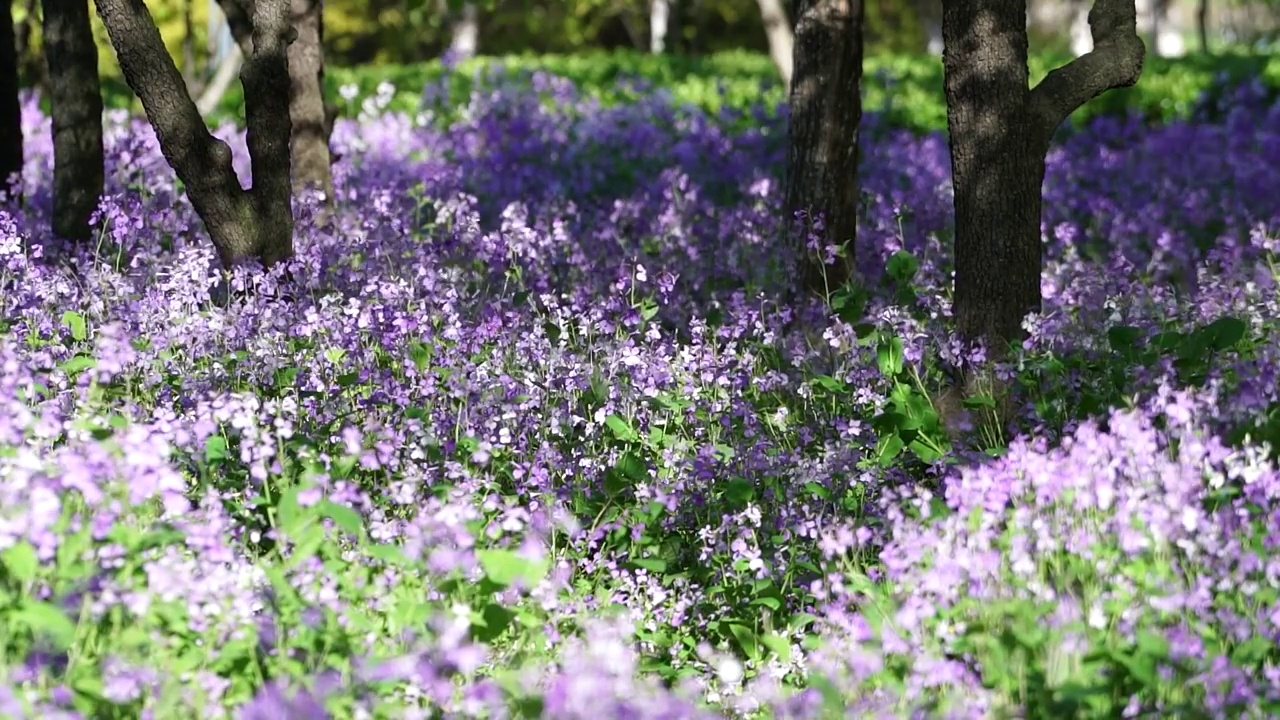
<point x="781" y="39"/>
<point x="822" y="156"/>
<point x="189" y="71"/>
<point x="1000" y="132"/>
<point x="466" y="33"/>
<point x="10" y="107"/>
<point x="659" y="17"/>
<point x="243" y="225"/>
<point x="309" y="146"/>
<point x="227" y="72"/>
<point x="930" y="14"/>
<point x="306" y="60"/>
<point x="75" y="101"/>
<point x="1202" y="25"/>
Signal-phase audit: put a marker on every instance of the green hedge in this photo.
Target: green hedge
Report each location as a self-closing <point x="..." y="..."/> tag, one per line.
<point x="907" y="88"/>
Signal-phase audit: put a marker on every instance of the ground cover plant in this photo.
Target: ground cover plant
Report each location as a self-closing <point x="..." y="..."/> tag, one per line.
<point x="905" y="88"/>
<point x="536" y="431"/>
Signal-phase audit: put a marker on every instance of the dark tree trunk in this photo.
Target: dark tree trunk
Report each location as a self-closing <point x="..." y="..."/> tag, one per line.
<point x="243" y="225"/>
<point x="999" y="132"/>
<point x="10" y="107"/>
<point x="308" y="17"/>
<point x="1202" y="25"/>
<point x="822" y="155"/>
<point x="75" y="102"/>
<point x="309" y="145"/>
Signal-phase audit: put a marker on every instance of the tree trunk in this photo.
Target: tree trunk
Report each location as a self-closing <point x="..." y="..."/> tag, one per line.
<point x="999" y="133"/>
<point x="659" y="16"/>
<point x="466" y="33"/>
<point x="822" y="155"/>
<point x="227" y="72"/>
<point x="75" y="102"/>
<point x="781" y="39"/>
<point x="930" y="14"/>
<point x="309" y="145"/>
<point x="1202" y="25"/>
<point x="10" y="107"/>
<point x="243" y="225"/>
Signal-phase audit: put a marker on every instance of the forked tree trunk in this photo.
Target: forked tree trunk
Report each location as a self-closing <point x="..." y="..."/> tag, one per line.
<point x="659" y="18"/>
<point x="75" y="103"/>
<point x="310" y="144"/>
<point x="243" y="225"/>
<point x="778" y="32"/>
<point x="999" y="132"/>
<point x="822" y="156"/>
<point x="10" y="107"/>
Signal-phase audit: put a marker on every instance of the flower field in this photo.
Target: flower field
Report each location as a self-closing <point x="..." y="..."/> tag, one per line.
<point x="537" y="429"/>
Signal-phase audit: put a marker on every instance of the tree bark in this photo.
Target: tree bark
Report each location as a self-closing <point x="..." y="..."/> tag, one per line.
<point x="75" y="103"/>
<point x="309" y="144"/>
<point x="243" y="225"/>
<point x="466" y="33"/>
<point x="659" y="17"/>
<point x="822" y="156"/>
<point x="999" y="133"/>
<point x="10" y="106"/>
<point x="1202" y="25"/>
<point x="778" y="32"/>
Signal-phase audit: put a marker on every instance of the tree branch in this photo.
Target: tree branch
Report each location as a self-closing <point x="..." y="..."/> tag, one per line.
<point x="1115" y="62"/>
<point x="239" y="14"/>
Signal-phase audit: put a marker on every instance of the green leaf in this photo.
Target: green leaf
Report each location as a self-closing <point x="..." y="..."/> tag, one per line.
<point x="390" y="554"/>
<point x="47" y="620"/>
<point x="621" y="428"/>
<point x="75" y="322"/>
<point x="657" y="565"/>
<point x="1123" y="338"/>
<point x="215" y="449"/>
<point x="740" y="491"/>
<point x="888" y="448"/>
<point x="889" y="357"/>
<point x="1226" y="332"/>
<point x="21" y="561"/>
<point x="779" y="645"/>
<point x="831" y="385"/>
<point x="746" y="638"/>
<point x="420" y="355"/>
<point x="343" y="516"/>
<point x="902" y="266"/>
<point x="289" y="514"/>
<point x="504" y="567"/>
<point x="77" y="363"/>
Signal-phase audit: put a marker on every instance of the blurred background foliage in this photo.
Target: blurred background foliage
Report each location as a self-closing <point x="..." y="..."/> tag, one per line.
<point x="716" y="53"/>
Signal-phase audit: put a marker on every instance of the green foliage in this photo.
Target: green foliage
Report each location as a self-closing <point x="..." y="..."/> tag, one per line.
<point x="906" y="89"/>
